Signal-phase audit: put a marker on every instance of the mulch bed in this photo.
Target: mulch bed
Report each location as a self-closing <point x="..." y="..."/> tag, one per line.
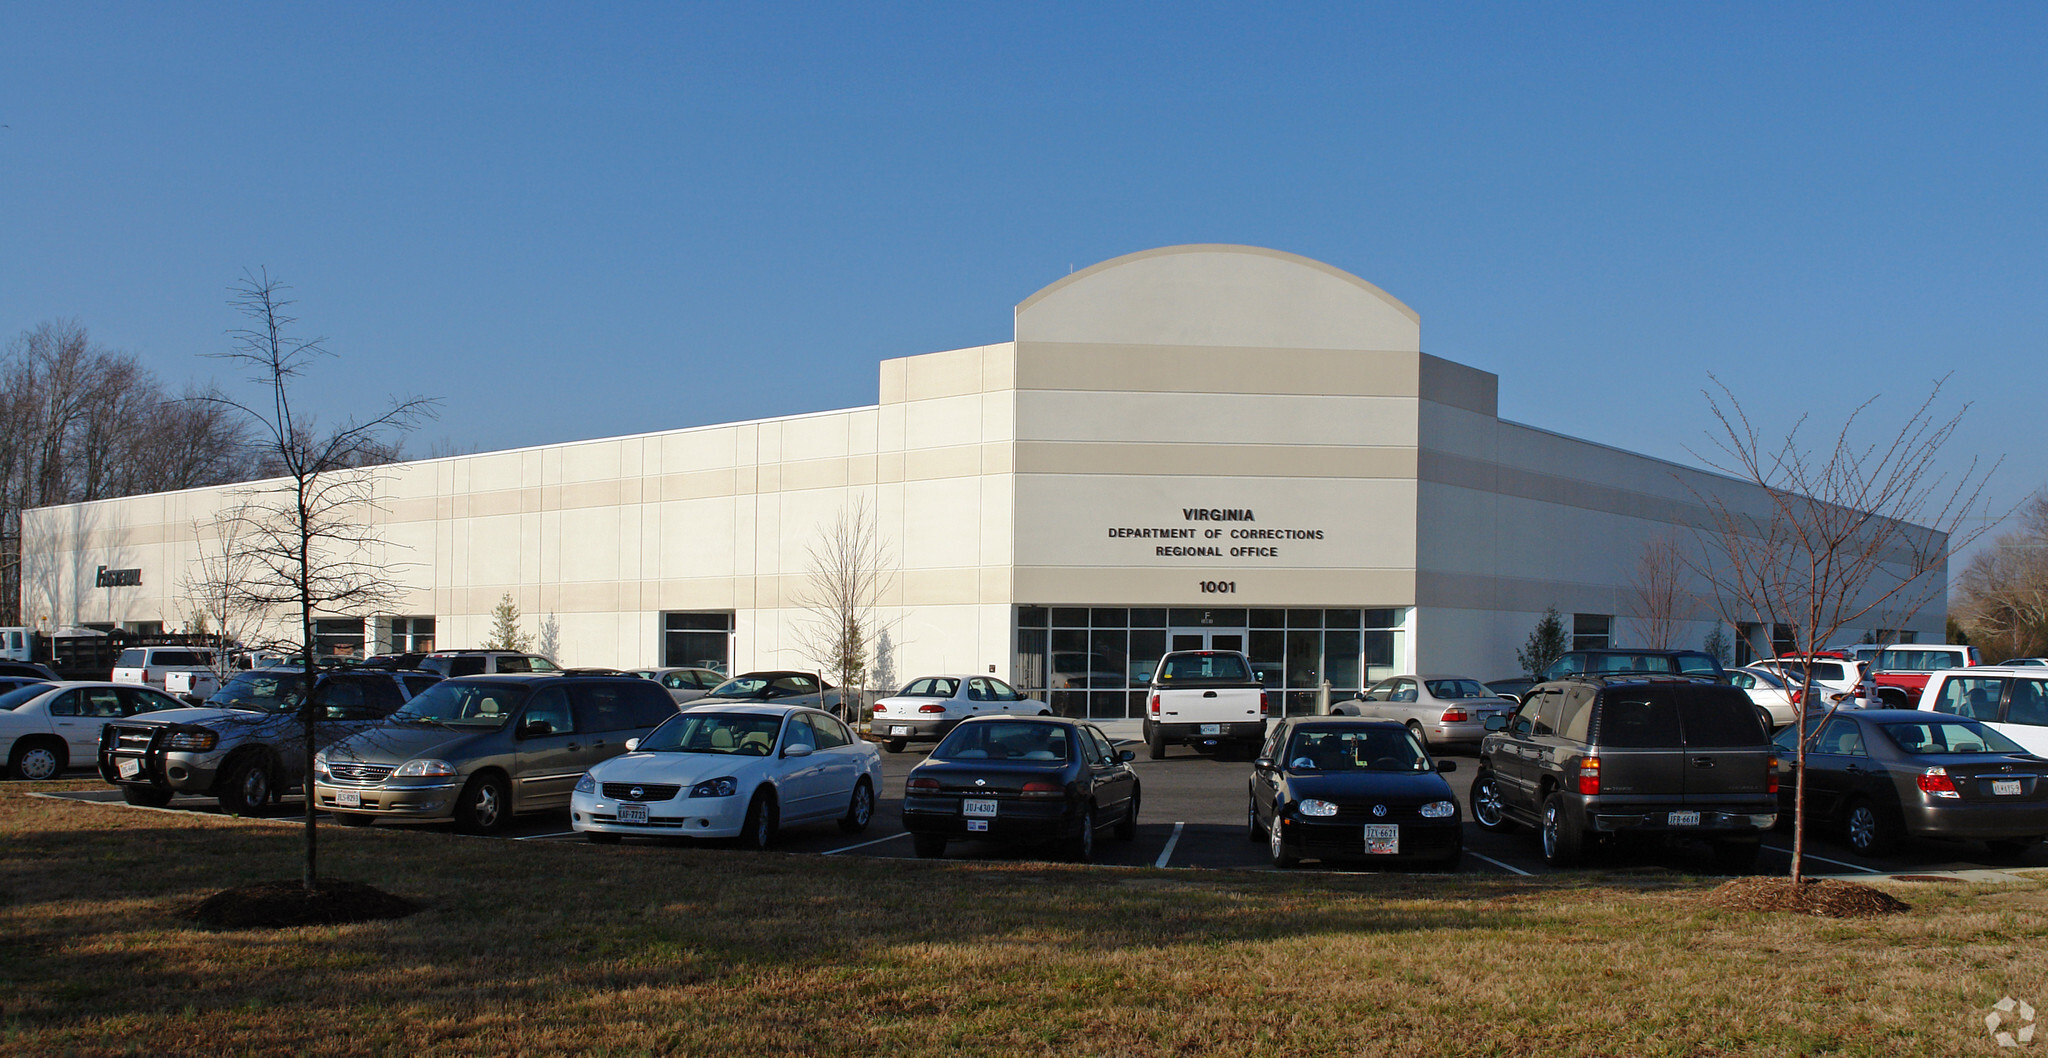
<point x="271" y="905"/>
<point x="1826" y="897"/>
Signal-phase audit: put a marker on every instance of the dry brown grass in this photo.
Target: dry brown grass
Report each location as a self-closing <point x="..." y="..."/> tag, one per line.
<point x="540" y="948"/>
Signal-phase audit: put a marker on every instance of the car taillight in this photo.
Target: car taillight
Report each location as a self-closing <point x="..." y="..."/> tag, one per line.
<point x="1155" y="705"/>
<point x="1936" y="781"/>
<point x="1262" y="703"/>
<point x="1454" y="716"/>
<point x="1798" y="695"/>
<point x="881" y="707"/>
<point x="931" y="708"/>
<point x="1771" y="782"/>
<point x="1589" y="775"/>
<point x="922" y="786"/>
<point x="1036" y="790"/>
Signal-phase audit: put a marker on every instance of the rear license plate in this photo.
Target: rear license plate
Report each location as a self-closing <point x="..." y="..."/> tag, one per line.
<point x="977" y="826"/>
<point x="900" y="729"/>
<point x="129" y="768"/>
<point x="1684" y="819"/>
<point x="1383" y="839"/>
<point x="978" y="809"/>
<point x="632" y="813"/>
<point x="348" y="798"/>
<point x="1212" y="729"/>
<point x="2005" y="787"/>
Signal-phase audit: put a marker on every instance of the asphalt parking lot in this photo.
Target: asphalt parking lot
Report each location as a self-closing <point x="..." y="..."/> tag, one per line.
<point x="1193" y="817"/>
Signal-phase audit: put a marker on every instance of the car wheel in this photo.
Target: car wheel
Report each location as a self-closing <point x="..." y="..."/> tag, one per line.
<point x="758" y="832"/>
<point x="354" y="819"/>
<point x="1415" y="728"/>
<point x="146" y="796"/>
<point x="2010" y="850"/>
<point x="1736" y="857"/>
<point x="1081" y="848"/>
<point x="895" y="745"/>
<point x="1276" y="843"/>
<point x="1253" y="832"/>
<point x="36" y="760"/>
<point x="247" y="788"/>
<point x="1487" y="809"/>
<point x="596" y="838"/>
<point x="485" y="806"/>
<point x="860" y="809"/>
<point x="1127" y="827"/>
<point x="1563" y="843"/>
<point x="928" y="846"/>
<point x="1155" y="744"/>
<point x="1867" y="830"/>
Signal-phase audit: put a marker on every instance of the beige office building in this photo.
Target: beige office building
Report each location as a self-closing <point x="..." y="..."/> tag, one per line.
<point x="1218" y="446"/>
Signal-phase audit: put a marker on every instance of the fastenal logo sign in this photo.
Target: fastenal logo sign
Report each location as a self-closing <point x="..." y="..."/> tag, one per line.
<point x="2011" y="1022"/>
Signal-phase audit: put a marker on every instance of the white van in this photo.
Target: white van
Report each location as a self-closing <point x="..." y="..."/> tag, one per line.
<point x="2010" y="699"/>
<point x="149" y="665"/>
<point x="15" y="644"/>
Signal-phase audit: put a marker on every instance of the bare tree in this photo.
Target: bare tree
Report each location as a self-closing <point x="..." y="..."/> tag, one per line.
<point x="1830" y="536"/>
<point x="1658" y="591"/>
<point x="2001" y="598"/>
<point x="212" y="588"/>
<point x="849" y="570"/>
<point x="308" y="535"/>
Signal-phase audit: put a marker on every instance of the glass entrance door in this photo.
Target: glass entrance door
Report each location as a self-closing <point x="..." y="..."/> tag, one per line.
<point x="1206" y="639"/>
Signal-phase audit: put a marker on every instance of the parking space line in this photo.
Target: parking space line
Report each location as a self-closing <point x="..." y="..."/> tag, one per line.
<point x="1497" y="863"/>
<point x="1167" y="852"/>
<point x="865" y="844"/>
<point x="537" y="837"/>
<point x="1824" y="859"/>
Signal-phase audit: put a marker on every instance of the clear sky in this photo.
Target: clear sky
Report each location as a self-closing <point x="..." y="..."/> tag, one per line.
<point x="585" y="220"/>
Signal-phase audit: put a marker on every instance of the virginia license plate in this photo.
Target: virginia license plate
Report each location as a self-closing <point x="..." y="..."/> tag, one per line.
<point x="1212" y="729"/>
<point x="129" y="768"/>
<point x="632" y="813"/>
<point x="978" y="809"/>
<point x="2005" y="787"/>
<point x="1683" y="819"/>
<point x="348" y="798"/>
<point x="900" y="729"/>
<point x="1383" y="839"/>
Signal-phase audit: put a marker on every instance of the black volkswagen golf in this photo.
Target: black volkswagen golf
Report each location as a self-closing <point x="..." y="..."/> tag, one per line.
<point x="1331" y="787"/>
<point x="1021" y="780"/>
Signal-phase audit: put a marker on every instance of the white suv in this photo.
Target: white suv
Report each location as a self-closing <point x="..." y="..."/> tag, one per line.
<point x="2010" y="699"/>
<point x="149" y="665"/>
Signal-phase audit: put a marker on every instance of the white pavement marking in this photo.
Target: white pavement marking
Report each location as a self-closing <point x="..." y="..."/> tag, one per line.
<point x="537" y="837"/>
<point x="1824" y="859"/>
<point x="1167" y="852"/>
<point x="1497" y="863"/>
<point x="865" y="844"/>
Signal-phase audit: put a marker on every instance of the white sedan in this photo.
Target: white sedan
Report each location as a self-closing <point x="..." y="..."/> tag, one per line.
<point x="47" y="727"/>
<point x="731" y="770"/>
<point x="929" y="706"/>
<point x="1768" y="691"/>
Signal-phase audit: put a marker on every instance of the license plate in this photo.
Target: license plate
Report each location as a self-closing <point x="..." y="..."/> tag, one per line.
<point x="1684" y="819"/>
<point x="978" y="809"/>
<point x="348" y="798"/>
<point x="632" y="813"/>
<point x="2005" y="787"/>
<point x="1383" y="839"/>
<point x="130" y="768"/>
<point x="900" y="729"/>
<point x="976" y="826"/>
<point x="1212" y="729"/>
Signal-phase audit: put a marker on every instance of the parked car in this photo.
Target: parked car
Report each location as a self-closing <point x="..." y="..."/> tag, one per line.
<point x="929" y="706"/>
<point x="27" y="670"/>
<point x="1837" y="681"/>
<point x="149" y="665"/>
<point x="1342" y="787"/>
<point x="1022" y="780"/>
<point x="1863" y="652"/>
<point x="1887" y="774"/>
<point x="1205" y="698"/>
<point x="411" y="660"/>
<point x="1440" y="710"/>
<point x="1768" y="691"/>
<point x="481" y="662"/>
<point x="1596" y="757"/>
<point x="684" y="684"/>
<point x="2010" y="699"/>
<point x="10" y="683"/>
<point x="2030" y="662"/>
<point x="47" y="726"/>
<point x="1614" y="661"/>
<point x="724" y="771"/>
<point x="191" y="686"/>
<point x="246" y="745"/>
<point x="788" y="688"/>
<point x="482" y="749"/>
<point x="1901" y="672"/>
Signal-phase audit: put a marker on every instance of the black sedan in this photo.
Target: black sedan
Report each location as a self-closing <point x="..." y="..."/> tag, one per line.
<point x="1885" y="774"/>
<point x="1335" y="787"/>
<point x="1021" y="780"/>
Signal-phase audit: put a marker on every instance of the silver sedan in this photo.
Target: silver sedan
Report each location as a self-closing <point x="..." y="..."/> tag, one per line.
<point x="1439" y="709"/>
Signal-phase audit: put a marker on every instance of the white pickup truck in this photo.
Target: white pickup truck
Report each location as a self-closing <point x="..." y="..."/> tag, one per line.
<point x="1204" y="698"/>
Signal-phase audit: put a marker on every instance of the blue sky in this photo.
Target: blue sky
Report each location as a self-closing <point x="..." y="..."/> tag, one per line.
<point x="573" y="221"/>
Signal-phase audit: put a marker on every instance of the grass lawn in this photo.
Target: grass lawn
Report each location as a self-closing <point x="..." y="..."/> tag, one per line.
<point x="539" y="948"/>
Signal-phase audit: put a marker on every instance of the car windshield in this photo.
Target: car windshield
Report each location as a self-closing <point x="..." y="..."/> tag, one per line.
<point x="1355" y="749"/>
<point x="1964" y="736"/>
<point x="930" y="687"/>
<point x="763" y="687"/>
<point x="1456" y="689"/>
<point x="1222" y="667"/>
<point x="998" y="740"/>
<point x="22" y="695"/>
<point x="463" y="704"/>
<point x="732" y="733"/>
<point x="263" y="692"/>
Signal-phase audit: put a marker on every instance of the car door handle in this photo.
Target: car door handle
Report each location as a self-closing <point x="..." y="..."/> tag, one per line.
<point x="1208" y="694"/>
<point x="1703" y="762"/>
<point x="573" y="745"/>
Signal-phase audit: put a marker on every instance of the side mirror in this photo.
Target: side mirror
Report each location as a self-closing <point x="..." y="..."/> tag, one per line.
<point x="536" y="729"/>
<point x="1263" y="764"/>
<point x="1126" y="755"/>
<point x="1497" y="722"/>
<point x="632" y="744"/>
<point x="796" y="751"/>
<point x="1446" y="765"/>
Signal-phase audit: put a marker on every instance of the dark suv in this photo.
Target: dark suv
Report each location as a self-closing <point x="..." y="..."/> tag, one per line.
<point x="1614" y="661"/>
<point x="1596" y="757"/>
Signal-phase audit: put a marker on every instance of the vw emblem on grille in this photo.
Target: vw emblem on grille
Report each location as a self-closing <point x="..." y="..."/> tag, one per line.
<point x="636" y="793"/>
<point x="1379" y="810"/>
<point x="981" y="782"/>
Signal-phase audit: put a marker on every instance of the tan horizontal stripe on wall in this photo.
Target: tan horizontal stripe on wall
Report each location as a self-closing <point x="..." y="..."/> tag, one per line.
<point x="1237" y="461"/>
<point x="1095" y="586"/>
<point x="1217" y="369"/>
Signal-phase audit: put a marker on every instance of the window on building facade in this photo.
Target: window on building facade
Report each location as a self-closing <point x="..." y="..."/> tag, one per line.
<point x="409" y="635"/>
<point x="697" y="639"/>
<point x="1592" y="631"/>
<point x="338" y="637"/>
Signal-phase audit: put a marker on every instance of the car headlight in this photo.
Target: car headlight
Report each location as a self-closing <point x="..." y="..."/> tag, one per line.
<point x="1316" y="808"/>
<point x="320" y="764"/>
<point x="424" y="768"/>
<point x="723" y="786"/>
<point x="1439" y="809"/>
<point x="192" y="738"/>
<point x="586" y="784"/>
